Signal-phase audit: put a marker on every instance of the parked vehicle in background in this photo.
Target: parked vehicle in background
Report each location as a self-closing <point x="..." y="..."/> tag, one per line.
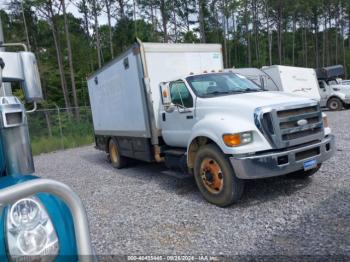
<point x="256" y="75"/>
<point x="173" y="103"/>
<point x="325" y="88"/>
<point x="40" y="219"/>
<point x="334" y="93"/>
<point x="294" y="80"/>
<point x="345" y="82"/>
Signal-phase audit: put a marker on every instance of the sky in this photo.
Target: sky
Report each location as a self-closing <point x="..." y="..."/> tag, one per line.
<point x="102" y="19"/>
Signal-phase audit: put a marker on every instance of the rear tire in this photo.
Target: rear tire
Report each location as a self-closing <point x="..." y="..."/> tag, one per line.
<point x="117" y="160"/>
<point x="215" y="177"/>
<point x="301" y="174"/>
<point x="335" y="104"/>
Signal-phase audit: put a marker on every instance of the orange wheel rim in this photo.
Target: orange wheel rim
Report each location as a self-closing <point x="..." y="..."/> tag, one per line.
<point x="113" y="152"/>
<point x="212" y="176"/>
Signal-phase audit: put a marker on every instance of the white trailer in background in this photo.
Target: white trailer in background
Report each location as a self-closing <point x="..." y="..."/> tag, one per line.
<point x="295" y="80"/>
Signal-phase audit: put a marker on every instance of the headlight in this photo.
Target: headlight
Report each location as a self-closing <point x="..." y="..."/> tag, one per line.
<point x="233" y="140"/>
<point x="30" y="232"/>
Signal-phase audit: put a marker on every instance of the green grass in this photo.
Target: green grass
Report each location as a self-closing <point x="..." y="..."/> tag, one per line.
<point x="48" y="144"/>
<point x="46" y="131"/>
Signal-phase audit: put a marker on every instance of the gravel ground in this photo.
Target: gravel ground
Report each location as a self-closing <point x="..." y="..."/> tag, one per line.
<point x="138" y="210"/>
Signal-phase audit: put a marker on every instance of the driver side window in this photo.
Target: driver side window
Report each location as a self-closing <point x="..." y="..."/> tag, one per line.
<point x="180" y="95"/>
<point x="321" y="84"/>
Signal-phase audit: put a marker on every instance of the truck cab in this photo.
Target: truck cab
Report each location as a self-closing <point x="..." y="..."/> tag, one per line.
<point x="40" y="219"/>
<point x="233" y="123"/>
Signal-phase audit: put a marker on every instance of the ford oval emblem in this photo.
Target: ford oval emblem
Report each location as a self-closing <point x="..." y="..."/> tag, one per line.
<point x="302" y="122"/>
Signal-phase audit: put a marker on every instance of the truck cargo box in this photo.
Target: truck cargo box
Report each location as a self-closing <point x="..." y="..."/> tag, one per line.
<point x="124" y="94"/>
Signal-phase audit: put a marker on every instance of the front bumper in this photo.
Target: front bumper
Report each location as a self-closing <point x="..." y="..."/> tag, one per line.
<point x="282" y="162"/>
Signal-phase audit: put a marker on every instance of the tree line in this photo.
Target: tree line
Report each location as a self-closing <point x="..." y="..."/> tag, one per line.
<point x="253" y="33"/>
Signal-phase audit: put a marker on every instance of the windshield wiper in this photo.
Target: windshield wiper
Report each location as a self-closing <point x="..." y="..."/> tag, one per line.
<point x="251" y="90"/>
<point x="243" y="90"/>
<point x="217" y="93"/>
<point x="232" y="92"/>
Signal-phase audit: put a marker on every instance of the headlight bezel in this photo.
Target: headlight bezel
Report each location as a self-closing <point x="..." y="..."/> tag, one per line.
<point x="17" y="234"/>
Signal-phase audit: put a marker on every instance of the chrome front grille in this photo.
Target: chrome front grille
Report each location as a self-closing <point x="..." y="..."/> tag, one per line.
<point x="289" y="125"/>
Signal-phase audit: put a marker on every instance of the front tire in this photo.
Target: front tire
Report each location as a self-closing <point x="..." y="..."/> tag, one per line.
<point x="215" y="177"/>
<point x="335" y="104"/>
<point x="117" y="160"/>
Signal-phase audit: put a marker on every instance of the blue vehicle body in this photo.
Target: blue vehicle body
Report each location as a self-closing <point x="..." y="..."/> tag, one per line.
<point x="17" y="167"/>
<point x="59" y="214"/>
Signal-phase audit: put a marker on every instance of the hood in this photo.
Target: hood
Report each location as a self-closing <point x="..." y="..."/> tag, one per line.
<point x="253" y="100"/>
<point x="345" y="89"/>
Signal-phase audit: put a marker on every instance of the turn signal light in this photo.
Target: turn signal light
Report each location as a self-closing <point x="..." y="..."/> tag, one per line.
<point x="233" y="140"/>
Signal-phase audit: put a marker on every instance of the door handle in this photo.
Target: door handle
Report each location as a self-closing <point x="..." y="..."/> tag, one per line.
<point x="189" y="117"/>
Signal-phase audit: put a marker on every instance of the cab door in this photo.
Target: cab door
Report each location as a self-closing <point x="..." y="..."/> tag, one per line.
<point x="325" y="92"/>
<point x="177" y="119"/>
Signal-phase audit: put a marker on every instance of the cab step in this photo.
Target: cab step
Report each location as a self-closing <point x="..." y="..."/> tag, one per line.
<point x="175" y="151"/>
<point x="176" y="174"/>
<point x="176" y="159"/>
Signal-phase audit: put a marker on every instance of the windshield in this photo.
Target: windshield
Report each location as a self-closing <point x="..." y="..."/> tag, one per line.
<point x="209" y="85"/>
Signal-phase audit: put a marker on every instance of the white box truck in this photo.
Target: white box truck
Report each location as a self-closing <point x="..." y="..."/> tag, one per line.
<point x="173" y="103"/>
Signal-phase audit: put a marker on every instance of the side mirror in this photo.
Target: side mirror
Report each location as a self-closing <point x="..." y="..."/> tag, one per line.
<point x="31" y="84"/>
<point x="2" y="64"/>
<point x="22" y="67"/>
<point x="165" y="93"/>
<point x="166" y="99"/>
<point x="262" y="81"/>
